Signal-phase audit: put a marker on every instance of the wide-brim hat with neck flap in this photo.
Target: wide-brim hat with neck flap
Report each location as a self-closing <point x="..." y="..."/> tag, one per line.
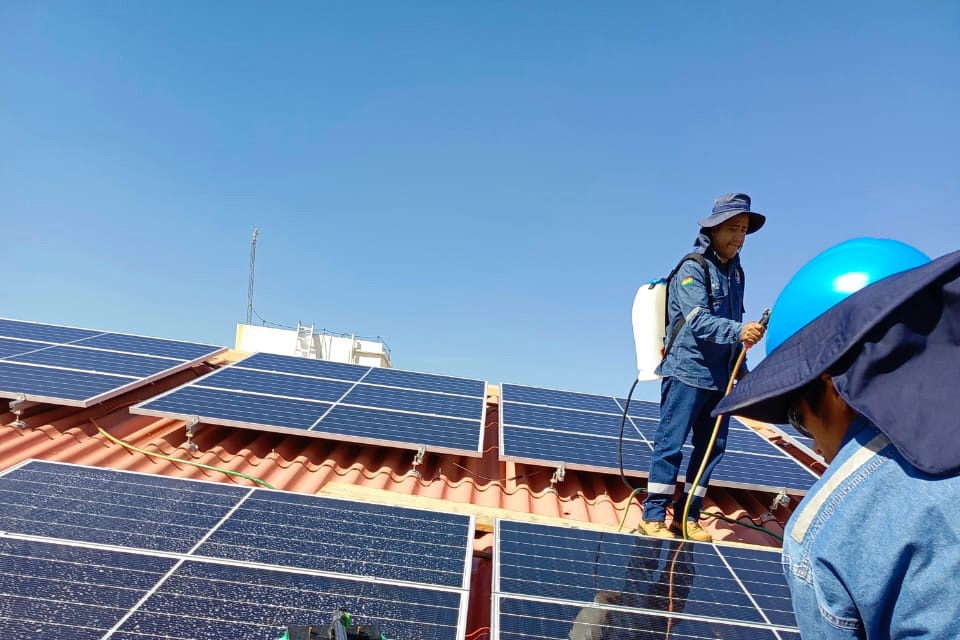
<point x="733" y="204"/>
<point x="893" y="351"/>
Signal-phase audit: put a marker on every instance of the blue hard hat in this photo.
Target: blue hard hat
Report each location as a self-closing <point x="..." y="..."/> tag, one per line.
<point x="832" y="276"/>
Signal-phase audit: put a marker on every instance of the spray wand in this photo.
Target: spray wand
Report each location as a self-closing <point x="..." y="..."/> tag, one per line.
<point x="764" y="320"/>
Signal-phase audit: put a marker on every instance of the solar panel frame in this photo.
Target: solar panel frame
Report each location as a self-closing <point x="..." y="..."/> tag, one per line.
<point x="52" y="369"/>
<point x="587" y="448"/>
<point x="338" y="419"/>
<point x="653" y="610"/>
<point x="158" y="609"/>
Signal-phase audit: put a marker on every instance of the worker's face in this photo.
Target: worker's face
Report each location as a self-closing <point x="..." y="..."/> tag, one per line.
<point x="727" y="238"/>
<point x="828" y="425"/>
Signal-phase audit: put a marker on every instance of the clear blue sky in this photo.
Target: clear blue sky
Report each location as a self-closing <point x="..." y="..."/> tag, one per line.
<point x="482" y="184"/>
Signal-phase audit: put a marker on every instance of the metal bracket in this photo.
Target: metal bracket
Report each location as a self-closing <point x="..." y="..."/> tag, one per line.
<point x="417" y="461"/>
<point x="191" y="431"/>
<point x="558" y="475"/>
<point x="17" y="409"/>
<point x="780" y="500"/>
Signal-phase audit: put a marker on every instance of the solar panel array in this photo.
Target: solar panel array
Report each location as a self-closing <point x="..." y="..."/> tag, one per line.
<point x="581" y="431"/>
<point x="554" y="582"/>
<point x="97" y="553"/>
<point x="82" y="367"/>
<point x="334" y="400"/>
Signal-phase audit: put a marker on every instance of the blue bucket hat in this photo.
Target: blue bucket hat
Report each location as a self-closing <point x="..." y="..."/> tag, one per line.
<point x="732" y="204"/>
<point x="893" y="350"/>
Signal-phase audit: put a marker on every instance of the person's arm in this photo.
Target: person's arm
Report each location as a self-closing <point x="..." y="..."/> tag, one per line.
<point x="694" y="306"/>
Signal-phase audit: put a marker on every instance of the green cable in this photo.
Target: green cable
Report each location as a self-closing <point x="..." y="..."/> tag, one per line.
<point x="200" y="465"/>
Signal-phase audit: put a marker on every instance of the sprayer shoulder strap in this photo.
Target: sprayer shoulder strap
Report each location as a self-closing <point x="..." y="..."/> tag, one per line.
<point x="699" y="259"/>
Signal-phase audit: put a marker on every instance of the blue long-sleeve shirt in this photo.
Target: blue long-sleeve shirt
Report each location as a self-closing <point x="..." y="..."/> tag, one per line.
<point x="873" y="551"/>
<point x="708" y="343"/>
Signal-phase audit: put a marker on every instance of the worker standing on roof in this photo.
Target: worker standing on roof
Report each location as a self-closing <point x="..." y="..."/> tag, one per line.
<point x="873" y="551"/>
<point x="704" y="332"/>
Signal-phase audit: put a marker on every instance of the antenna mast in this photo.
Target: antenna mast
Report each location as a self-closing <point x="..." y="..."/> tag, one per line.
<point x="253" y="262"/>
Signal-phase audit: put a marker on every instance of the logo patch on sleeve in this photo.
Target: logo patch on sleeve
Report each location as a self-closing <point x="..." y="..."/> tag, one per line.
<point x="686" y="281"/>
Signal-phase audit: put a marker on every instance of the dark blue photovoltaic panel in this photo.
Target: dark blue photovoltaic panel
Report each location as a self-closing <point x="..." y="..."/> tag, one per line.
<point x="56" y="383"/>
<point x="304" y="366"/>
<point x="372" y="424"/>
<point x="97" y="361"/>
<point x="276" y="384"/>
<point x="203" y="600"/>
<point x="529" y="415"/>
<point x="525" y="619"/>
<point x="426" y="382"/>
<point x="14" y="347"/>
<point x="52" y="589"/>
<point x="59" y="591"/>
<point x="649" y="579"/>
<point x="562" y="399"/>
<point x="150" y="346"/>
<point x="415" y="401"/>
<point x="552" y="447"/>
<point x="311" y="532"/>
<point x="238" y="407"/>
<point x="44" y="332"/>
<point x="109" y="507"/>
<point x="582" y="439"/>
<point x="761" y="572"/>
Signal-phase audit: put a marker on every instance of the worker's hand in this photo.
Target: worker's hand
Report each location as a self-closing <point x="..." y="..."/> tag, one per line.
<point x="751" y="334"/>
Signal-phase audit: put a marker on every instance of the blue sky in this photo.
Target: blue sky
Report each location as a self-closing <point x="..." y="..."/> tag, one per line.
<point x="483" y="184"/>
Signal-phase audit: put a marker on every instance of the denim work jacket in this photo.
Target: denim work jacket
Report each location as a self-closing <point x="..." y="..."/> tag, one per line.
<point x="873" y="551"/>
<point x="708" y="343"/>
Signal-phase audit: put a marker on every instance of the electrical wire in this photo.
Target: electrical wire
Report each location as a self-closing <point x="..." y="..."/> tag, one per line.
<point x="163" y="456"/>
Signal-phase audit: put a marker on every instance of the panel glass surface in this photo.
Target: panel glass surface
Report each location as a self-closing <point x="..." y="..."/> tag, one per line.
<point x="149" y="346"/>
<point x="310" y="532"/>
<point x="425" y="382"/>
<point x="304" y="366"/>
<point x="402" y="428"/>
<point x="108" y="507"/>
<point x="562" y="399"/>
<point x="274" y="392"/>
<point x="44" y="332"/>
<point x="11" y="347"/>
<point x="534" y="432"/>
<point x="438" y="404"/>
<point x="48" y="382"/>
<point x="239" y="407"/>
<point x="80" y="367"/>
<point x="54" y="590"/>
<point x="96" y="361"/>
<point x="404" y="568"/>
<point x="610" y="579"/>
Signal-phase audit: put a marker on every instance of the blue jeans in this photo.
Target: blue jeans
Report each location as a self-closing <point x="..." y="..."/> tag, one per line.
<point x="682" y="409"/>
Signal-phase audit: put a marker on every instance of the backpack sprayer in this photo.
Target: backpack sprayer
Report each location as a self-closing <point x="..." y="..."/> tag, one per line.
<point x="341" y="628"/>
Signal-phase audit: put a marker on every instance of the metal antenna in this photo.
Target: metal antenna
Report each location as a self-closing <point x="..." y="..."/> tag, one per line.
<point x="253" y="262"/>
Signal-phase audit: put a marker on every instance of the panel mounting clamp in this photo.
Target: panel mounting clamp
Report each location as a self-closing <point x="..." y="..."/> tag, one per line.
<point x="191" y="428"/>
<point x="417" y="461"/>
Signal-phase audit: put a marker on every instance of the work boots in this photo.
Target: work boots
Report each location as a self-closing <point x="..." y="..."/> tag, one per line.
<point x="694" y="531"/>
<point x="655" y="529"/>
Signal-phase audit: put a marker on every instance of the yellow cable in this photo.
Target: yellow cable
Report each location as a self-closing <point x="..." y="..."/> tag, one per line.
<point x="163" y="456"/>
<point x="623" y="518"/>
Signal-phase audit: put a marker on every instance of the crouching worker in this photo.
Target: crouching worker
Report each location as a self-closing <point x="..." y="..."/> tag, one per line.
<point x="873" y="551"/>
<point x="704" y="331"/>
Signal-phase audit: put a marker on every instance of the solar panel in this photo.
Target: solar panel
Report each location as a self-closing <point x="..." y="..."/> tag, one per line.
<point x="125" y="555"/>
<point x="554" y="582"/>
<point x="582" y="431"/>
<point x="335" y="400"/>
<point x="82" y="367"/>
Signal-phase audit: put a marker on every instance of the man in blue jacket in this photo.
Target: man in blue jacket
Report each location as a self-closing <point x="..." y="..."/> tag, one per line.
<point x="704" y="333"/>
<point x="873" y="551"/>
